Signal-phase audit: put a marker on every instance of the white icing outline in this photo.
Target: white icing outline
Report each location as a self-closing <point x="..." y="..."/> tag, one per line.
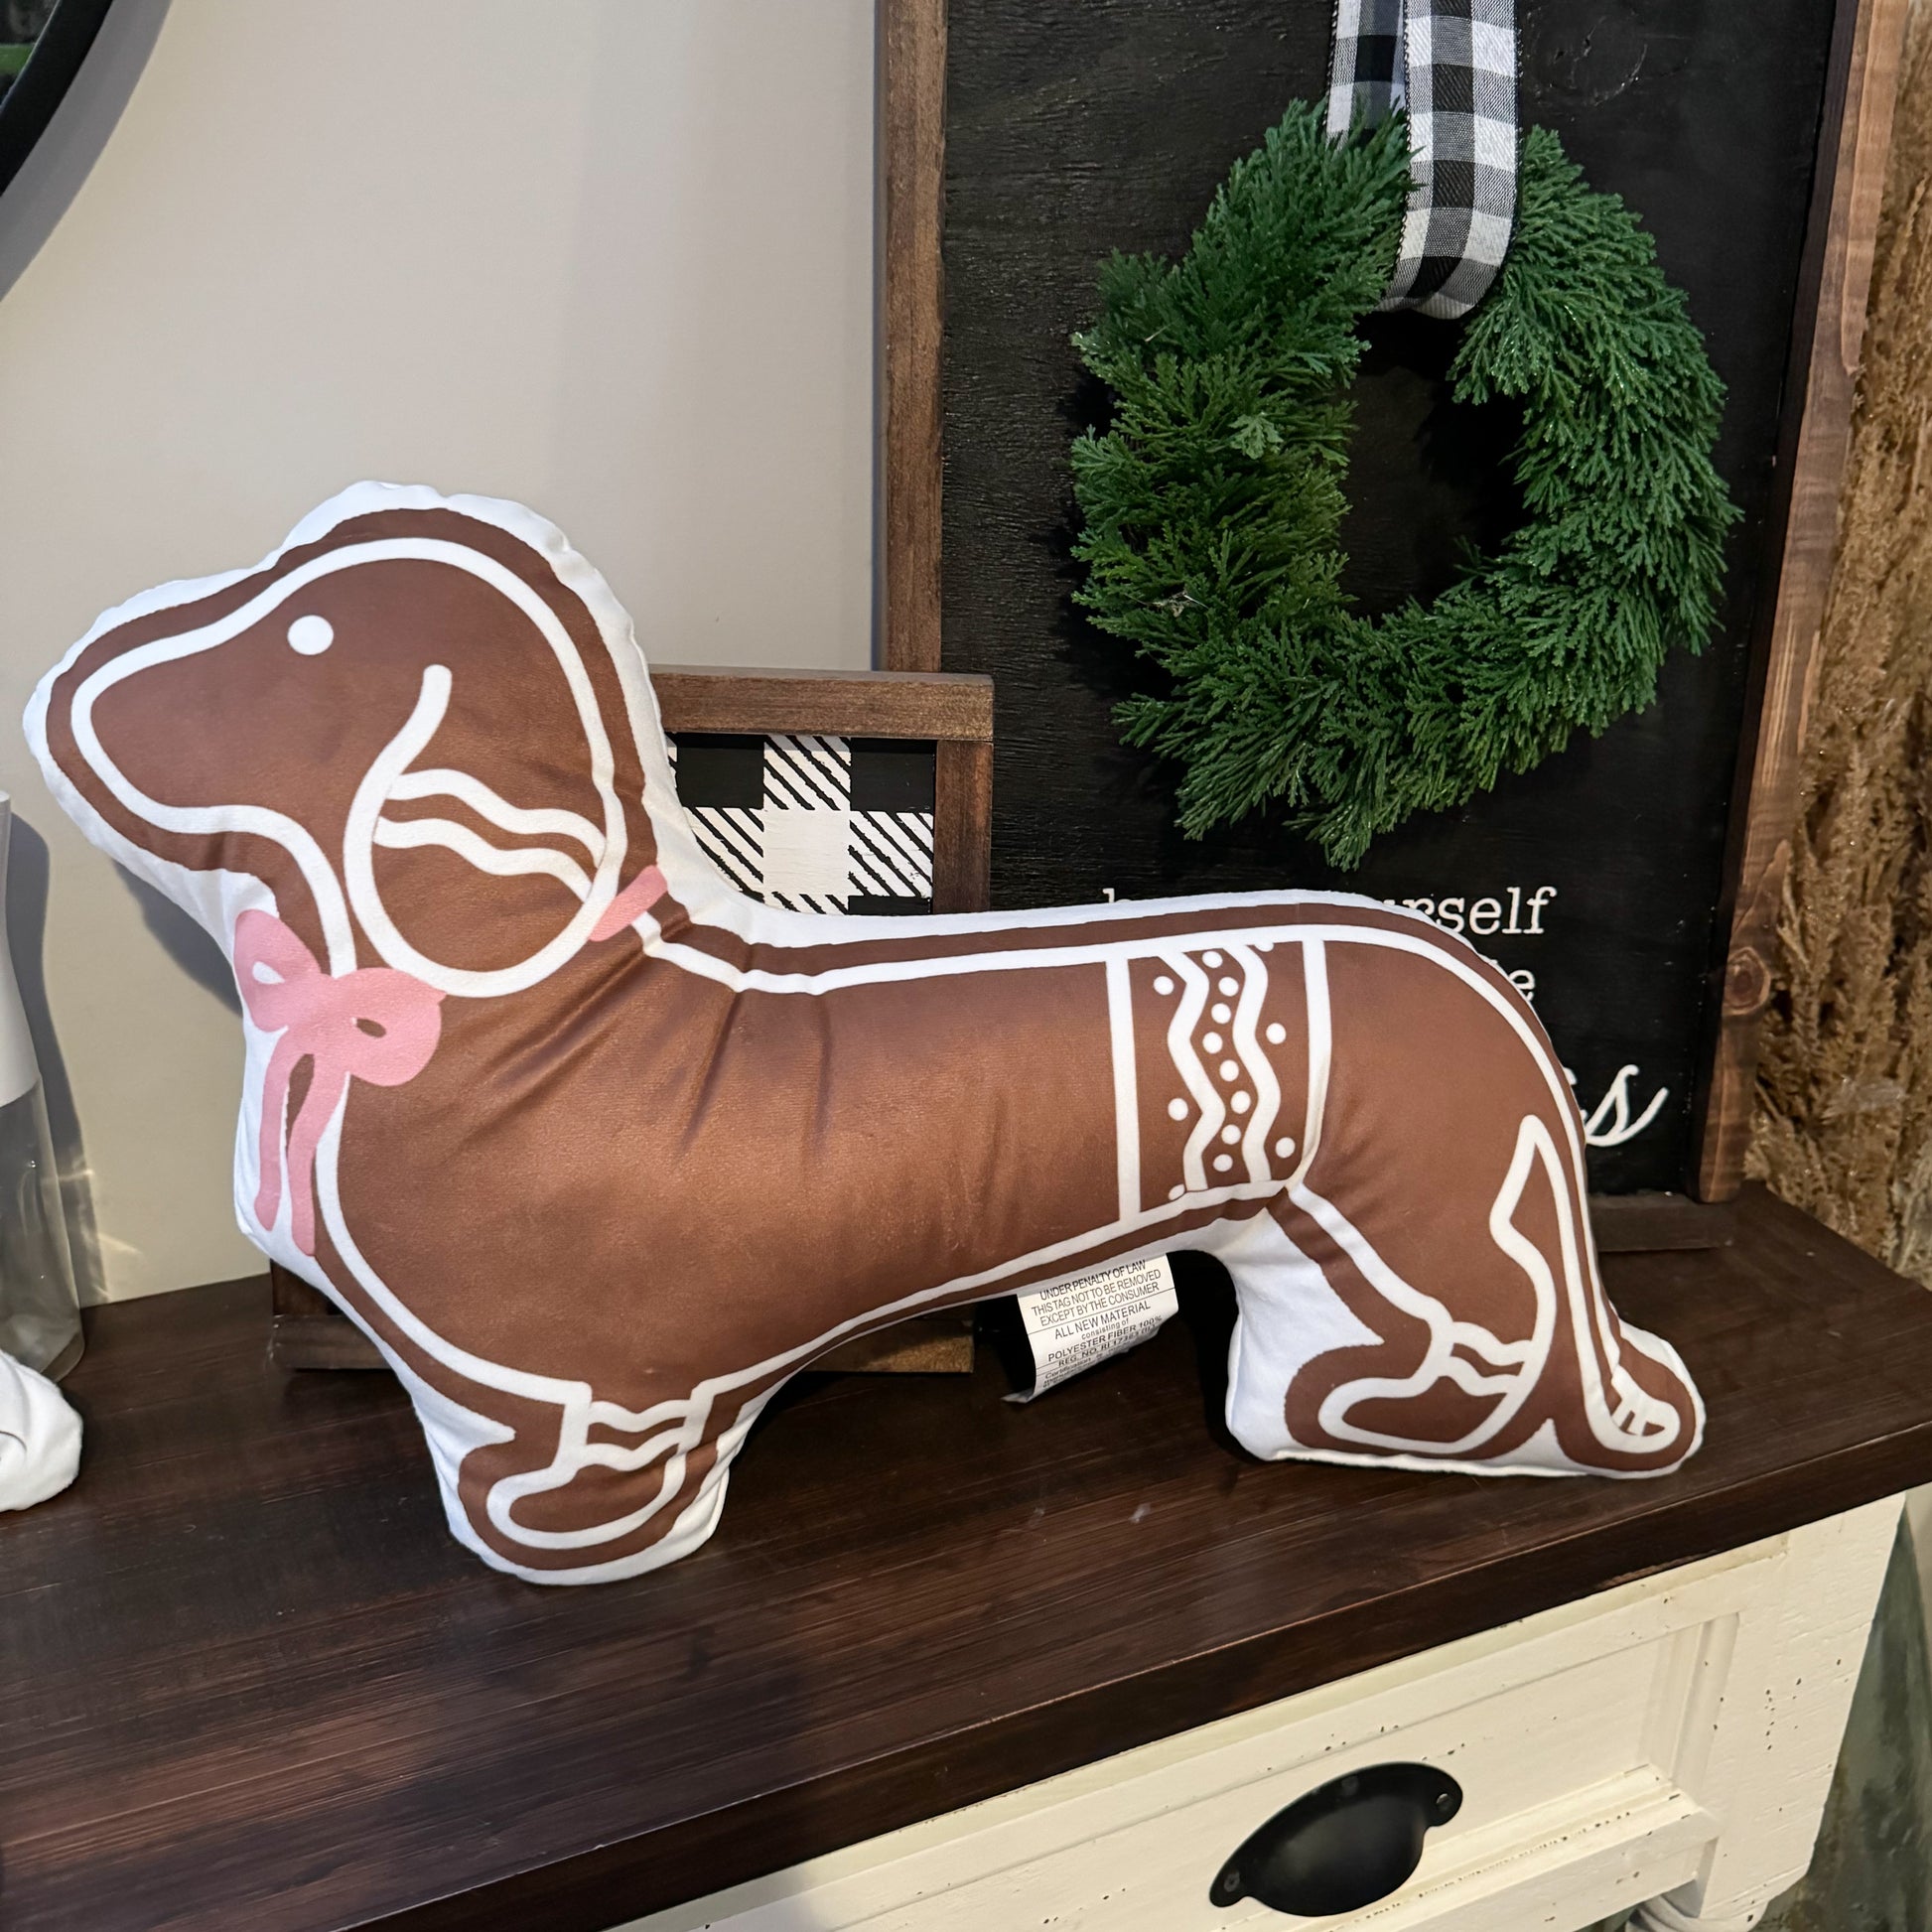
<point x="670" y="1430"/>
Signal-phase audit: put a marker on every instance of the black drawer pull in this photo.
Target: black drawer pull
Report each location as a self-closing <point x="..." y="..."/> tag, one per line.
<point x="1344" y="1844"/>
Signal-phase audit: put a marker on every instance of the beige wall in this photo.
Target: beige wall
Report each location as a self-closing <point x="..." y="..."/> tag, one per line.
<point x="611" y="257"/>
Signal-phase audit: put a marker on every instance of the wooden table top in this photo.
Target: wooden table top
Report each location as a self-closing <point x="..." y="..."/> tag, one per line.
<point x="248" y="1681"/>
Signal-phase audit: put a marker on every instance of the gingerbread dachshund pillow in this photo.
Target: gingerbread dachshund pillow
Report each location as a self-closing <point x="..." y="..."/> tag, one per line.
<point x="599" y="1152"/>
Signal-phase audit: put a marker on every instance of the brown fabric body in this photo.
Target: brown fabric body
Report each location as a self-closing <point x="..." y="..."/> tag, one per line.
<point x="636" y="1177"/>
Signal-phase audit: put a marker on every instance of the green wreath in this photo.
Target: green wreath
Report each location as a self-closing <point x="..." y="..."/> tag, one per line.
<point x="1213" y="499"/>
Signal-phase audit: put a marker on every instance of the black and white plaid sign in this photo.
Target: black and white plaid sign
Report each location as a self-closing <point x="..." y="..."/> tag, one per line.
<point x="1452" y="65"/>
<point x="813" y="824"/>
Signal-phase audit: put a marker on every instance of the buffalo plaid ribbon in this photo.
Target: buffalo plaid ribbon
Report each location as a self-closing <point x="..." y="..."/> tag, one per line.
<point x="1452" y="65"/>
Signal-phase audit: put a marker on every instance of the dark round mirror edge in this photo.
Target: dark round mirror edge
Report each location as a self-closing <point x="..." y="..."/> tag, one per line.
<point x="56" y="58"/>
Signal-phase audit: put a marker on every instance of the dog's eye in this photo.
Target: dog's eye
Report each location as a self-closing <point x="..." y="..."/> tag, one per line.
<point x="310" y="635"/>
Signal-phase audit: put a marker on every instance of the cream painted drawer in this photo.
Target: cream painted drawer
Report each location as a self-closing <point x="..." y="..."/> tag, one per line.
<point x="1672" y="1735"/>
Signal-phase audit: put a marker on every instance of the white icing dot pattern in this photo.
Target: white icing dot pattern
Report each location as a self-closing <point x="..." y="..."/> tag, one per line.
<point x="1230" y="1100"/>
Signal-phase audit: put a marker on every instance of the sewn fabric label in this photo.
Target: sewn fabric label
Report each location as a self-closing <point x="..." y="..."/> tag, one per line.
<point x="1073" y="1324"/>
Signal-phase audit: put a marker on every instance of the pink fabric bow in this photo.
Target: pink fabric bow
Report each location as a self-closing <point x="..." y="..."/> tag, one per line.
<point x="632" y="903"/>
<point x="324" y="1020"/>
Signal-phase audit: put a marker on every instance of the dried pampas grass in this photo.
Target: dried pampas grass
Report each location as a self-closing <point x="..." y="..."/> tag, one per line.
<point x="1844" y="1119"/>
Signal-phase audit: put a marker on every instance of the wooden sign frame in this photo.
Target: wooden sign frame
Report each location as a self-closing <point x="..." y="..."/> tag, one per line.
<point x="1854" y="144"/>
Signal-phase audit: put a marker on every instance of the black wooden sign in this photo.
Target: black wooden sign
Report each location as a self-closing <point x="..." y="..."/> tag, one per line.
<point x="1078" y="126"/>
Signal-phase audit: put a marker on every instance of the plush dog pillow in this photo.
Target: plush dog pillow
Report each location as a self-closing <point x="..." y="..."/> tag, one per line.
<point x="601" y="1151"/>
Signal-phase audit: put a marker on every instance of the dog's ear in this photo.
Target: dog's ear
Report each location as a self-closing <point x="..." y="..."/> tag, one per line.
<point x="416" y="725"/>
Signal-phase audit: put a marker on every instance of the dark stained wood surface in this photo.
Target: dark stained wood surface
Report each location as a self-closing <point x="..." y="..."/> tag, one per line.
<point x="1640" y="1223"/>
<point x="307" y="1330"/>
<point x="911" y="321"/>
<point x="943" y="705"/>
<point x="248" y="1682"/>
<point x="962" y="826"/>
<point x="1824" y="378"/>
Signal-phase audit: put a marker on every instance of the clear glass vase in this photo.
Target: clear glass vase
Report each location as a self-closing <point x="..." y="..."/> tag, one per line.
<point x="40" y="1314"/>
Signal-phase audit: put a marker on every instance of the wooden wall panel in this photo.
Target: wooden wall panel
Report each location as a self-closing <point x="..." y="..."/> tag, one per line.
<point x="912" y="168"/>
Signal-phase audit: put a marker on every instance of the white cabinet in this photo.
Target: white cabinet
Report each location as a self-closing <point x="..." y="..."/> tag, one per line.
<point x="1674" y="1735"/>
